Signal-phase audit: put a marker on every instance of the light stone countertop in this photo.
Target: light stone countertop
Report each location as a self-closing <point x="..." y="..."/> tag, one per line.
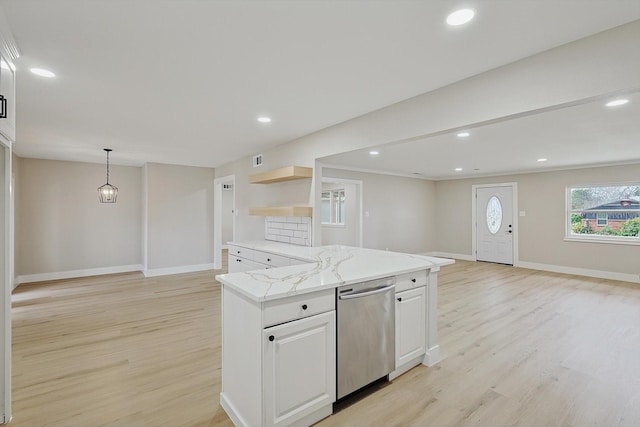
<point x="328" y="267"/>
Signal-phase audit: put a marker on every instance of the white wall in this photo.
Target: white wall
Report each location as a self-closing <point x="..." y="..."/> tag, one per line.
<point x="593" y="66"/>
<point x="179" y="222"/>
<point x="227" y="216"/>
<point x="542" y="196"/>
<point x="64" y="231"/>
<point x="5" y="283"/>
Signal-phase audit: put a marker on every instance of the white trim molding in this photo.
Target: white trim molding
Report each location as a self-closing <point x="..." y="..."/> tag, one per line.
<point x="600" y="274"/>
<point x="71" y="274"/>
<point x="154" y="272"/>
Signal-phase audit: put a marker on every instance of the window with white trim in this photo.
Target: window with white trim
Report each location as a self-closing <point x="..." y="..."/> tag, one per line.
<point x="604" y="213"/>
<point x="333" y="207"/>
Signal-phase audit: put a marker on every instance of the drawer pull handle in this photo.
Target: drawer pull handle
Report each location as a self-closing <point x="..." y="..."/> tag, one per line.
<point x="238" y="260"/>
<point x="400" y="299"/>
<point x="304" y="306"/>
<point x="271" y="338"/>
<point x="413" y="280"/>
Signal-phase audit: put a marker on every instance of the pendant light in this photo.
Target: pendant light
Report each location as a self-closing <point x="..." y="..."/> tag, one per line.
<point x="108" y="193"/>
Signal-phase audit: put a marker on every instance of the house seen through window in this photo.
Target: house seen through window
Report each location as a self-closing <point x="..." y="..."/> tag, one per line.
<point x="604" y="213"/>
<point x="333" y="208"/>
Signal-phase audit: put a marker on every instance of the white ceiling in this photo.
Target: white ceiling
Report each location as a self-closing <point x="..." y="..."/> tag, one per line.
<point x="183" y="81"/>
<point x="586" y="134"/>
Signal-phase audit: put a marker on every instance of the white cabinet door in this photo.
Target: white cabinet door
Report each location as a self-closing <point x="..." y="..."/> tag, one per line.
<point x="8" y="100"/>
<point x="410" y="325"/>
<point x="299" y="368"/>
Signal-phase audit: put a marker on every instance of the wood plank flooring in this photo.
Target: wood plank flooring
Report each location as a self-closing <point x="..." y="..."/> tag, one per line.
<point x="520" y="348"/>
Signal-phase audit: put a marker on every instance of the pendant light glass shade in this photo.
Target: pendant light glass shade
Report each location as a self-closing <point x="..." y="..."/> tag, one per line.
<point x="107" y="193"/>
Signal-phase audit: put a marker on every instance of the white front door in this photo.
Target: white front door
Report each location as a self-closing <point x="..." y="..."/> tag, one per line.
<point x="494" y="224"/>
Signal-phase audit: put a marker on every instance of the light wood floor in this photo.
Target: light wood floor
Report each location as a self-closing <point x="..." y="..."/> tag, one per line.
<point x="520" y="347"/>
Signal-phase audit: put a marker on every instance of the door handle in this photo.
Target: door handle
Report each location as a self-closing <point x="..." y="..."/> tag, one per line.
<point x="3" y="107"/>
<point x="367" y="292"/>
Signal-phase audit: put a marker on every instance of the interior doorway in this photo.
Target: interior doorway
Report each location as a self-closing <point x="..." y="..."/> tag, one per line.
<point x="224" y="216"/>
<point x="495" y="225"/>
<point x="341" y="211"/>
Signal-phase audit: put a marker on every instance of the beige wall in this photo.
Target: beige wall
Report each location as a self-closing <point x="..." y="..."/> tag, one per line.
<point x="541" y="232"/>
<point x="179" y="221"/>
<point x="61" y="225"/>
<point x="401" y="211"/>
<point x="593" y="66"/>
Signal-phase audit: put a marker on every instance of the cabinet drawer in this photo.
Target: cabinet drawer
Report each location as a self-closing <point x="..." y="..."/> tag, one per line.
<point x="271" y="260"/>
<point x="240" y="252"/>
<point x="296" y="307"/>
<point x="411" y="280"/>
<point x="237" y="264"/>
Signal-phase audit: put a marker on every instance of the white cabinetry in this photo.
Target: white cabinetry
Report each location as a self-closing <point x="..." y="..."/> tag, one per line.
<point x="244" y="259"/>
<point x="278" y="359"/>
<point x="299" y="368"/>
<point x="410" y="325"/>
<point x="7" y="98"/>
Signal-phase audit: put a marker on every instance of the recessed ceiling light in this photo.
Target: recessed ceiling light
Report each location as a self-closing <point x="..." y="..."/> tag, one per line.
<point x="374" y="153"/>
<point x="458" y="169"/>
<point x="42" y="72"/>
<point x="616" y="102"/>
<point x="460" y="17"/>
<point x="264" y="119"/>
<point x="542" y="159"/>
<point x="463" y="134"/>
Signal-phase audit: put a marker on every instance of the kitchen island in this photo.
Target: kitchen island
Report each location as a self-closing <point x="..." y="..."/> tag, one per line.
<point x="279" y="325"/>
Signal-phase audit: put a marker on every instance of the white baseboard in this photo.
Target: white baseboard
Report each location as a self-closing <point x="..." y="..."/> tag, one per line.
<point x="432" y="356"/>
<point x="28" y="278"/>
<point x="153" y="272"/>
<point x="611" y="275"/>
<point x="462" y="257"/>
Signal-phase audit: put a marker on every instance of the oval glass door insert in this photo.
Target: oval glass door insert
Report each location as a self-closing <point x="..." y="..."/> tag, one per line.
<point x="494" y="215"/>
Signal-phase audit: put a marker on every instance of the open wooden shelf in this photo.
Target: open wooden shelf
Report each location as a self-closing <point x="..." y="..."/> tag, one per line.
<point x="287" y="173"/>
<point x="282" y="211"/>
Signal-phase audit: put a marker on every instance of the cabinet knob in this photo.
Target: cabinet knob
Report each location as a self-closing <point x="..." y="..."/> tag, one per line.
<point x="238" y="260"/>
<point x="271" y="338"/>
<point x="304" y="306"/>
<point x="268" y="259"/>
<point x="400" y="299"/>
<point x="413" y="280"/>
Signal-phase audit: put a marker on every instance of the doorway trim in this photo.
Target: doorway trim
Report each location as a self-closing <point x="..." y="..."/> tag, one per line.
<point x="516" y="231"/>
<point x="6" y="282"/>
<point x="359" y="185"/>
<point x="217" y="217"/>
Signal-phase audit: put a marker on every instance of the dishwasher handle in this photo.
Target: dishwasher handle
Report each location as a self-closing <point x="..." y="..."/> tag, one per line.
<point x="366" y="293"/>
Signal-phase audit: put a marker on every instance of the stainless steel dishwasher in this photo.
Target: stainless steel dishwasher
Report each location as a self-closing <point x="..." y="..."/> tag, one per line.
<point x="366" y="333"/>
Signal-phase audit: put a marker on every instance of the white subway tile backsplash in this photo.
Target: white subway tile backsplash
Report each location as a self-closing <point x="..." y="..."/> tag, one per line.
<point x="294" y="230"/>
<point x="297" y="241"/>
